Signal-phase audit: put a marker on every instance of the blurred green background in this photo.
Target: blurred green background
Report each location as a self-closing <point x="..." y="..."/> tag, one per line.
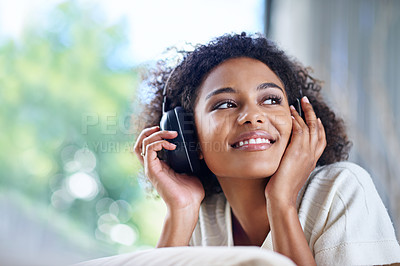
<point x="68" y="178"/>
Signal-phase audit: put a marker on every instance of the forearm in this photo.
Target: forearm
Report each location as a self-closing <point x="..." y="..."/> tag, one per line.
<point x="287" y="235"/>
<point x="178" y="228"/>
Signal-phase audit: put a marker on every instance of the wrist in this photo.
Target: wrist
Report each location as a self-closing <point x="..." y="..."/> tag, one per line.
<point x="281" y="198"/>
<point x="178" y="227"/>
<point x="187" y="209"/>
<point x="280" y="202"/>
<point x="187" y="215"/>
<point x="183" y="203"/>
<point x="183" y="214"/>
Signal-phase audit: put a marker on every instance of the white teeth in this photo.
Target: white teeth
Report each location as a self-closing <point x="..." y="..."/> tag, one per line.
<point x="253" y="141"/>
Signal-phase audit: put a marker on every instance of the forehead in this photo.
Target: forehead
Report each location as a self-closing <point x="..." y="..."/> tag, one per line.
<point x="237" y="71"/>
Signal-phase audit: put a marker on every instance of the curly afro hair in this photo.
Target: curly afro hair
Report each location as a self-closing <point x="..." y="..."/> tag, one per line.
<point x="194" y="66"/>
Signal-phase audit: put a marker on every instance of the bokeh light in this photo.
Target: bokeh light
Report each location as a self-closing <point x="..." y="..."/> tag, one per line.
<point x="123" y="234"/>
<point x="82" y="186"/>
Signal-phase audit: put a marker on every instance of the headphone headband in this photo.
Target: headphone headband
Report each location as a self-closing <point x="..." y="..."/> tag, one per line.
<point x="164" y="104"/>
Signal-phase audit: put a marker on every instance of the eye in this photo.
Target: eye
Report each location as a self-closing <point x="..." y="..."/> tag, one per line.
<point x="272" y="99"/>
<point x="224" y="105"/>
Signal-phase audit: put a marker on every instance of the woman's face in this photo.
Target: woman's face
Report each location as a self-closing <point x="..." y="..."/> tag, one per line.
<point x="243" y="119"/>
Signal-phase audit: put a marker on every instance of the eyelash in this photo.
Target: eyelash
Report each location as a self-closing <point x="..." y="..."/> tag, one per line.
<point x="276" y="98"/>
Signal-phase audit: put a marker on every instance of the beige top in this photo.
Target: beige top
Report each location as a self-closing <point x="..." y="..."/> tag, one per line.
<point x="340" y="211"/>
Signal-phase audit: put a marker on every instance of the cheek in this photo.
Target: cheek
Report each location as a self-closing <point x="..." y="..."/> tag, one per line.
<point x="283" y="123"/>
<point x="212" y="136"/>
<point x="212" y="128"/>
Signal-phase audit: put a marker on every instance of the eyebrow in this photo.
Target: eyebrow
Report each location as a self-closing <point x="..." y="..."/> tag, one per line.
<point x="262" y="86"/>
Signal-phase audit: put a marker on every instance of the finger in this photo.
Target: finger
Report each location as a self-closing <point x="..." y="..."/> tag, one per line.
<point x="321" y="139"/>
<point x="296" y="143"/>
<point x="299" y="127"/>
<point x="157" y="136"/>
<point x="138" y="145"/>
<point x="153" y="148"/>
<point x="145" y="133"/>
<point x="311" y="118"/>
<point x="161" y="135"/>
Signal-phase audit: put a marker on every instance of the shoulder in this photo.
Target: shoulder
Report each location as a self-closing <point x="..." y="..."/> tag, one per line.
<point x="340" y="177"/>
<point x="213" y="204"/>
<point x="211" y="228"/>
<point x="340" y="187"/>
<point x="342" y="214"/>
<point x="213" y="212"/>
<point x="341" y="170"/>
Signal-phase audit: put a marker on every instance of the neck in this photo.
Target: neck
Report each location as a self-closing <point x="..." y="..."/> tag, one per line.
<point x="249" y="212"/>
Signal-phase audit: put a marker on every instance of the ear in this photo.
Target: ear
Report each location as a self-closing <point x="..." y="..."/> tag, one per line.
<point x="200" y="153"/>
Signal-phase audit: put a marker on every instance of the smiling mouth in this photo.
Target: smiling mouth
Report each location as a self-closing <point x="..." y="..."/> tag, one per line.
<point x="253" y="141"/>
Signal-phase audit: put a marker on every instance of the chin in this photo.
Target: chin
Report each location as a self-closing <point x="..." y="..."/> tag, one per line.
<point x="257" y="174"/>
<point x="252" y="166"/>
<point x="254" y="171"/>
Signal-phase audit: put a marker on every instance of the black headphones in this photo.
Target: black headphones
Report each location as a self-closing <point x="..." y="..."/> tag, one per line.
<point x="185" y="158"/>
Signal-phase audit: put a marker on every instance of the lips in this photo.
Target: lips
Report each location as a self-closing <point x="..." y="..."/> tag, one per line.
<point x="253" y="138"/>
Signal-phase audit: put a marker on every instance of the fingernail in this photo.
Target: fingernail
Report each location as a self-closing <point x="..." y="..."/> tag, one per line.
<point x="306" y="99"/>
<point x="172" y="145"/>
<point x="292" y="107"/>
<point x="292" y="117"/>
<point x="319" y="119"/>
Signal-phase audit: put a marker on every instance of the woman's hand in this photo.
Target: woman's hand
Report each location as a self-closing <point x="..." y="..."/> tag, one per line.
<point x="306" y="146"/>
<point x="179" y="191"/>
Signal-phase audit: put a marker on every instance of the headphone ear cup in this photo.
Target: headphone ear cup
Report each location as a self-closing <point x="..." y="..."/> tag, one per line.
<point x="297" y="106"/>
<point x="184" y="159"/>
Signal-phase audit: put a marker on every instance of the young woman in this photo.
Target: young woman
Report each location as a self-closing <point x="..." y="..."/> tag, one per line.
<point x="269" y="177"/>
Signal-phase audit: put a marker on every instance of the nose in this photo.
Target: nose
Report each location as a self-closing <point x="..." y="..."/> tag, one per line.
<point x="251" y="115"/>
